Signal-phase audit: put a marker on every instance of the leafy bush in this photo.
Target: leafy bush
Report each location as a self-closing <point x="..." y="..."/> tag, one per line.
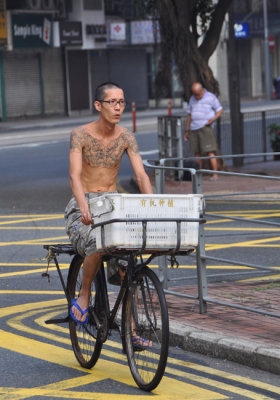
<point x="274" y="133"/>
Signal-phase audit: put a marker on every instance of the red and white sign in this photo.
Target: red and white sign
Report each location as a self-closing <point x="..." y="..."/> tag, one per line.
<point x="117" y="31"/>
<point x="271" y="42"/>
<point x="47" y="31"/>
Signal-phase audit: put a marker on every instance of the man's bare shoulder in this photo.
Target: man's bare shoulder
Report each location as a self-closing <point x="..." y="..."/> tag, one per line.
<point x="130" y="140"/>
<point x="78" y="136"/>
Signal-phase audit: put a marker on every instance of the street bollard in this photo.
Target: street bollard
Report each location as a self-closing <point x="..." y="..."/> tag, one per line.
<point x="169" y="108"/>
<point x="133" y="107"/>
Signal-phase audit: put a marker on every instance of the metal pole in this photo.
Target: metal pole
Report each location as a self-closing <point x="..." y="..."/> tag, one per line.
<point x="266" y="53"/>
<point x="179" y="147"/>
<point x="200" y="254"/>
<point x="264" y="134"/>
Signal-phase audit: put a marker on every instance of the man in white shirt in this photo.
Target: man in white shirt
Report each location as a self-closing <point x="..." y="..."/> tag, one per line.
<point x="204" y="108"/>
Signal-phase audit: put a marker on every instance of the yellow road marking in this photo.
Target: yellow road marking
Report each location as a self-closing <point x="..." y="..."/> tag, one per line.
<point x="33" y="271"/>
<point x="250" y="243"/>
<point x="66" y="266"/>
<point x="18" y="325"/>
<point x="30" y="264"/>
<point x="49" y="228"/>
<point x="31" y="215"/>
<point x="33" y="241"/>
<point x="47" y="353"/>
<point x="262" y="278"/>
<point x="18" y="221"/>
<point x="241" y="229"/>
<point x="244" y="211"/>
<point x="118" y="372"/>
<point x="36" y="292"/>
<point x="224" y="374"/>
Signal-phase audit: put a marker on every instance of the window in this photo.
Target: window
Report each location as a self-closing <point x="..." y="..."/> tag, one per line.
<point x="93" y="4"/>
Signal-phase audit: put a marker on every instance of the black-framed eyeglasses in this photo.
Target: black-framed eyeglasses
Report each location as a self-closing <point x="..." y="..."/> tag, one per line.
<point x="114" y="102"/>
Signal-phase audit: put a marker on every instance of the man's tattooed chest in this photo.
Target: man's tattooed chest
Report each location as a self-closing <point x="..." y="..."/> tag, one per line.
<point x="96" y="154"/>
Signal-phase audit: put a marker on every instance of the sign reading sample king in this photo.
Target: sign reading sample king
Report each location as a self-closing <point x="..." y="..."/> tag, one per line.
<point x="160" y="235"/>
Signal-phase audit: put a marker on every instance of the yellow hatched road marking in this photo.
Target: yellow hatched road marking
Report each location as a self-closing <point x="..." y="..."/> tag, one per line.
<point x="33" y="241"/>
<point x="118" y="372"/>
<point x="18" y="221"/>
<point x="241" y="229"/>
<point x="49" y="228"/>
<point x="31" y="215"/>
<point x="240" y="212"/>
<point x="36" y="292"/>
<point x="47" y="352"/>
<point x="242" y="244"/>
<point x="33" y="271"/>
<point x="66" y="266"/>
<point x="18" y="325"/>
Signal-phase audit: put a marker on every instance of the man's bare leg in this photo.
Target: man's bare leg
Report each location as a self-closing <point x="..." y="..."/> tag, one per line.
<point x="199" y="161"/>
<point x="214" y="165"/>
<point x="90" y="268"/>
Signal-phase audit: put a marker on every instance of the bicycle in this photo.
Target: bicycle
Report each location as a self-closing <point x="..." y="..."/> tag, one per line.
<point x="143" y="322"/>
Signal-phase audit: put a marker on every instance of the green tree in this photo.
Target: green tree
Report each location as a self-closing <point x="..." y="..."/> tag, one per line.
<point x="190" y="31"/>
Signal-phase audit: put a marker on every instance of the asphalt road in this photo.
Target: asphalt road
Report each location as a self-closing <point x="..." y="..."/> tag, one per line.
<point x="36" y="360"/>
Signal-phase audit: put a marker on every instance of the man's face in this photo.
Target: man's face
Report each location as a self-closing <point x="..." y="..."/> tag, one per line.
<point x="112" y="106"/>
<point x="198" y="93"/>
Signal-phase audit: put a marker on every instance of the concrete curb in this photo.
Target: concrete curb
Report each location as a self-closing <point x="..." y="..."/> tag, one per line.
<point x="251" y="354"/>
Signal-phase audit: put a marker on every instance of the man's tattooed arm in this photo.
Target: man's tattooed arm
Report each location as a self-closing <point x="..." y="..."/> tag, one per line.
<point x="132" y="144"/>
<point x="76" y="140"/>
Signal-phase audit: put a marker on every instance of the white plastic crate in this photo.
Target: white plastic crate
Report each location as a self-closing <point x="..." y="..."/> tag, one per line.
<point x="160" y="235"/>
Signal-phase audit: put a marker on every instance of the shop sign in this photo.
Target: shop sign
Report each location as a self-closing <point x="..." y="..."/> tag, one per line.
<point x="241" y="30"/>
<point x="118" y="31"/>
<point x="3" y="24"/>
<point x="71" y="33"/>
<point x="30" y="30"/>
<point x="142" y="32"/>
<point x="256" y="24"/>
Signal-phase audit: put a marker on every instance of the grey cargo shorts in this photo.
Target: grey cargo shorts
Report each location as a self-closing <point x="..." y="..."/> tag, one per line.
<point x="82" y="237"/>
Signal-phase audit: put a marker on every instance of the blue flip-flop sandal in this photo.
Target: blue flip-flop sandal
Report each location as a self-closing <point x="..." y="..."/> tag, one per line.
<point x="140" y="344"/>
<point x="83" y="312"/>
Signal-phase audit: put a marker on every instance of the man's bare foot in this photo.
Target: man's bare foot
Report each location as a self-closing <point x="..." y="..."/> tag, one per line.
<point x="79" y="309"/>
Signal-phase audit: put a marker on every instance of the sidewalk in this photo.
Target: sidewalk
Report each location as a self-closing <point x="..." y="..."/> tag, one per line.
<point x="49" y="122"/>
<point x="52" y="121"/>
<point x="237" y="335"/>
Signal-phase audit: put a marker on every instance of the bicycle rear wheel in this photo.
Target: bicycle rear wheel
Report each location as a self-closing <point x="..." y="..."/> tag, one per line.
<point x="85" y="342"/>
<point x="145" y="318"/>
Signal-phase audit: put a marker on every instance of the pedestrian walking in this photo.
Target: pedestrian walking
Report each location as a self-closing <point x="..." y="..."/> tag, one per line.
<point x="204" y="108"/>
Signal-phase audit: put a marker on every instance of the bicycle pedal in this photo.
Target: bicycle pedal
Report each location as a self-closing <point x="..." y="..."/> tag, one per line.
<point x="57" y="320"/>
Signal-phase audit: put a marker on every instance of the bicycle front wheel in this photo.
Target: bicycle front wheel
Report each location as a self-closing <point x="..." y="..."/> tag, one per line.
<point x="85" y="342"/>
<point x="146" y="329"/>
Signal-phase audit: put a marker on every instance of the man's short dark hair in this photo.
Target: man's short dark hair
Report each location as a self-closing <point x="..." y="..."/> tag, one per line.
<point x="100" y="90"/>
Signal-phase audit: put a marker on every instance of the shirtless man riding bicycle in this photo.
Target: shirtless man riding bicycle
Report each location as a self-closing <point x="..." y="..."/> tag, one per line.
<point x="96" y="150"/>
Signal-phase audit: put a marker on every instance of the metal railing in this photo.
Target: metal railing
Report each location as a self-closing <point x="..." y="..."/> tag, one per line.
<point x="160" y="168"/>
<point x="255" y="134"/>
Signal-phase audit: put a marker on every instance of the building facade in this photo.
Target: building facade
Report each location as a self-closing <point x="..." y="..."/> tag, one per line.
<point x="53" y="53"/>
